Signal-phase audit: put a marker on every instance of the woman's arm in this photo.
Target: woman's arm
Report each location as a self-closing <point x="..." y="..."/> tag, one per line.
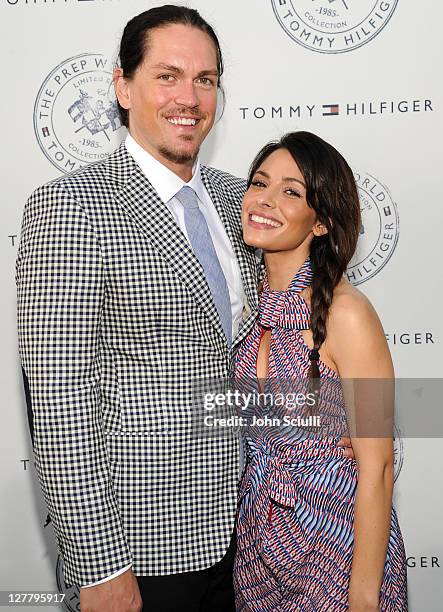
<point x="357" y="345"/>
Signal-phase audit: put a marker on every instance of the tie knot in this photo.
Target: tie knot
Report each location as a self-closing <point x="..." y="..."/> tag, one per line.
<point x="187" y="197"/>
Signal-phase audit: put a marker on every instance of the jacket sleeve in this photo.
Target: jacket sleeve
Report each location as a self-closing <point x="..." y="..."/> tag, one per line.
<point x="60" y="292"/>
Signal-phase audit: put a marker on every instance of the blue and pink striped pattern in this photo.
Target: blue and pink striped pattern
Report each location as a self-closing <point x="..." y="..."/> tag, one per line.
<point x="296" y="498"/>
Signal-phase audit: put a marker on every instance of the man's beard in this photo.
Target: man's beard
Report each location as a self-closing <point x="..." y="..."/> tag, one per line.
<point x="178" y="157"/>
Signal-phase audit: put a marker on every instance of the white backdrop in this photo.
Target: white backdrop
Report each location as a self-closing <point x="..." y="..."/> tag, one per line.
<point x="365" y="75"/>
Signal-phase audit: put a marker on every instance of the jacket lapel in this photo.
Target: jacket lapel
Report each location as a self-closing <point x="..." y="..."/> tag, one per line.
<point x="229" y="210"/>
<point x="141" y="202"/>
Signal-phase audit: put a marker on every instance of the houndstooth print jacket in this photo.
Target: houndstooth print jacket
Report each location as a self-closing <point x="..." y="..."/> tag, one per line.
<point x="115" y="323"/>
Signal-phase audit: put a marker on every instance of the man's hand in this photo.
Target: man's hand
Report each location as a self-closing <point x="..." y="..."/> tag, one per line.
<point x="120" y="594"/>
<point x="348" y="451"/>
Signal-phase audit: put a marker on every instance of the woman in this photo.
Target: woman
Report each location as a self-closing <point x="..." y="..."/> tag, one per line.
<point x="316" y="532"/>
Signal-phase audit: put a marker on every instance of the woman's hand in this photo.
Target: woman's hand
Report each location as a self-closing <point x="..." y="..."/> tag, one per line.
<point x="346" y="445"/>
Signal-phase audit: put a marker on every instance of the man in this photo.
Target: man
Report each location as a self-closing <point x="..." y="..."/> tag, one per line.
<point x="133" y="283"/>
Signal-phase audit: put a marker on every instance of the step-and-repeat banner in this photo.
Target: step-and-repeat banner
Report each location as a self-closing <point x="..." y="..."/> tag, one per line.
<point x="363" y="74"/>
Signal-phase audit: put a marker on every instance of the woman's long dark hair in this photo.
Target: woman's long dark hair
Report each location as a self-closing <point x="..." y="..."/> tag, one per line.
<point x="332" y="193"/>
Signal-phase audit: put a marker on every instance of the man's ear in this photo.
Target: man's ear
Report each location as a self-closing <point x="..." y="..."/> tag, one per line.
<point x="319" y="229"/>
<point x="121" y="88"/>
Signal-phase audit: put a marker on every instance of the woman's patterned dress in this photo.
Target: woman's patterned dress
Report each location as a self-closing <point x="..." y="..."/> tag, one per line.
<point x="296" y="498"/>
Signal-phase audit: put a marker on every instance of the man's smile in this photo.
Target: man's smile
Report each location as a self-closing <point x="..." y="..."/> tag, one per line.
<point x="189" y="121"/>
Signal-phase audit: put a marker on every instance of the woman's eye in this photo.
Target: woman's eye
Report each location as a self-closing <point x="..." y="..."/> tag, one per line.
<point x="257" y="183"/>
<point x="292" y="193"/>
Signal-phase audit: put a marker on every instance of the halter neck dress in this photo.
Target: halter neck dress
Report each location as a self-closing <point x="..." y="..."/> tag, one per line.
<point x="296" y="497"/>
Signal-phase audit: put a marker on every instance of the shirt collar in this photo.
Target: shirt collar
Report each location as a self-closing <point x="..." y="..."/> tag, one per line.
<point x="166" y="183"/>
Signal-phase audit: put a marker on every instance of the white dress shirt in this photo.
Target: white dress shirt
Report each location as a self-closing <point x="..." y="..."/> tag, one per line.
<point x="167" y="185"/>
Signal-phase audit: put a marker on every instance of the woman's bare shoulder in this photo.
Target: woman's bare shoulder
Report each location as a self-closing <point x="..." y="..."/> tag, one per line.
<point x="348" y="301"/>
<point x="356" y="339"/>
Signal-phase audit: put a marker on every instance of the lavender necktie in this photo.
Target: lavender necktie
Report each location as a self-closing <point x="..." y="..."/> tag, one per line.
<point x="203" y="247"/>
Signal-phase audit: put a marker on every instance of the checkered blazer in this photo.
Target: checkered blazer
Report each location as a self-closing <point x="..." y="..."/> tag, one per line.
<point x="115" y="324"/>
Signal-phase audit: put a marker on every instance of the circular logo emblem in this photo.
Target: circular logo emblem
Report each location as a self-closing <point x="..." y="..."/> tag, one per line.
<point x="333" y="26"/>
<point x="379" y="230"/>
<point x="71" y="601"/>
<point x="398" y="452"/>
<point x="76" y="119"/>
